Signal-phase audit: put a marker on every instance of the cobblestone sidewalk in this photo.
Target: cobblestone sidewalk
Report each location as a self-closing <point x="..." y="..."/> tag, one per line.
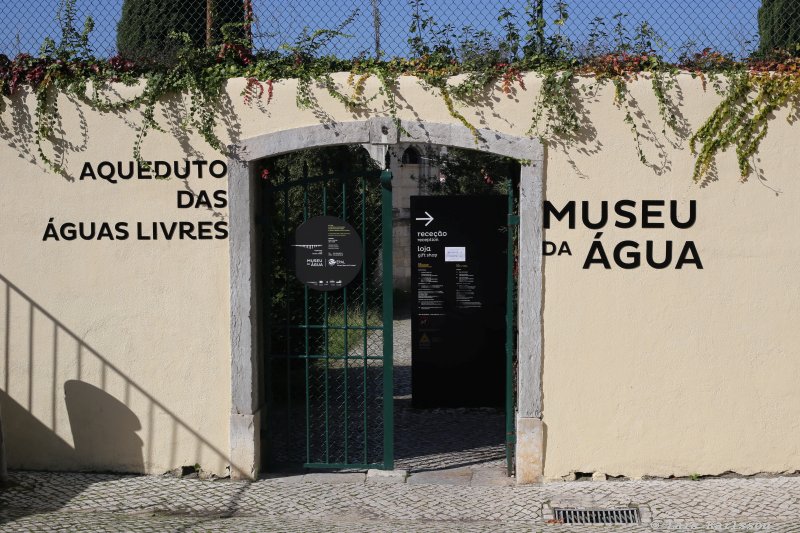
<point x="355" y="503"/>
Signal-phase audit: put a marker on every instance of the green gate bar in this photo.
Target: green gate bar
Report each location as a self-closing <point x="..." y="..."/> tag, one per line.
<point x="388" y="325"/>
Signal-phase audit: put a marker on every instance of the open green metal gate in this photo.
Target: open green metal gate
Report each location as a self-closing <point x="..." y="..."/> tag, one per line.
<point x="329" y="354"/>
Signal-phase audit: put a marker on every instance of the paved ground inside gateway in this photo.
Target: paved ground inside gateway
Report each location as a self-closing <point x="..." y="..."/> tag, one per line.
<point x="436" y="439"/>
<point x="355" y="503"/>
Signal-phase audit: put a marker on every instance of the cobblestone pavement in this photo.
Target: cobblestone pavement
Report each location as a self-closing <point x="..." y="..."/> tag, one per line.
<point x="355" y="503"/>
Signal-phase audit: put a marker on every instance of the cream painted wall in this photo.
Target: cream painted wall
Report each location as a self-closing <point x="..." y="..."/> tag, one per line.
<point x="141" y="326"/>
<point x="662" y="372"/>
<point x="646" y="371"/>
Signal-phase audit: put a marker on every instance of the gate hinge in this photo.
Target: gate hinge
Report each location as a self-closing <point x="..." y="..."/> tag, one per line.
<point x="513" y="220"/>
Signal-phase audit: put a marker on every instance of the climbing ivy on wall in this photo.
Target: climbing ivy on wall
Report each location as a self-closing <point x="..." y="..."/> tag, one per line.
<point x="751" y="90"/>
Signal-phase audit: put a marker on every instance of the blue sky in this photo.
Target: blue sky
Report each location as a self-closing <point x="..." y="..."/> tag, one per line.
<point x="727" y="25"/>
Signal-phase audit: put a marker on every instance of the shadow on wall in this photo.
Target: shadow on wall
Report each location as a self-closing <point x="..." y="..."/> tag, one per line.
<point x="39" y="439"/>
<point x="103" y="430"/>
<point x="98" y="401"/>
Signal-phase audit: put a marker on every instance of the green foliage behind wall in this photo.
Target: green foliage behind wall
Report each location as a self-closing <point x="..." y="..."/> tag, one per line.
<point x="779" y="24"/>
<point x="144" y="29"/>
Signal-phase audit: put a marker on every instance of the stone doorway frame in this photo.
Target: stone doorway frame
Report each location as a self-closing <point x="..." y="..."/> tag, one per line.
<point x="377" y="135"/>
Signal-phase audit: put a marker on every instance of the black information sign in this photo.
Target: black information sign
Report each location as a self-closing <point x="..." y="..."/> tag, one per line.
<point x="327" y="253"/>
<point x="458" y="284"/>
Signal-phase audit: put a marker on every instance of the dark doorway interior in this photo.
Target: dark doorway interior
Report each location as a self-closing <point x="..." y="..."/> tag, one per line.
<point x="431" y="439"/>
<point x="450" y="410"/>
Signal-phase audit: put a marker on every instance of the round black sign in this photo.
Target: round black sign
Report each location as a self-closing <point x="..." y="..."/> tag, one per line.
<point x="327" y="253"/>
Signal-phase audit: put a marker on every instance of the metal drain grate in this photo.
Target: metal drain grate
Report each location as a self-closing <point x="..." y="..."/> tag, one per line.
<point x="596" y="516"/>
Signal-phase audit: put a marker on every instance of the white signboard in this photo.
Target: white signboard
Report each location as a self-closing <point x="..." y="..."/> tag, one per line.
<point x="454" y="254"/>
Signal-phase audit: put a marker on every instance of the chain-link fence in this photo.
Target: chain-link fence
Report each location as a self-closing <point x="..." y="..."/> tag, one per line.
<point x="736" y="27"/>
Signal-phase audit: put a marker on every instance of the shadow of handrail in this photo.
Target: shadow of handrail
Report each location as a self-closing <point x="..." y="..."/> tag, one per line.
<point x="106" y="368"/>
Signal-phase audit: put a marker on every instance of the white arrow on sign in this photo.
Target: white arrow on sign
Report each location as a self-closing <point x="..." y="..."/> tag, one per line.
<point x="429" y="219"/>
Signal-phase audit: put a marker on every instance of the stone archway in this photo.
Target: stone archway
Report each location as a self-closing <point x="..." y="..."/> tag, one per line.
<point x="377" y="135"/>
